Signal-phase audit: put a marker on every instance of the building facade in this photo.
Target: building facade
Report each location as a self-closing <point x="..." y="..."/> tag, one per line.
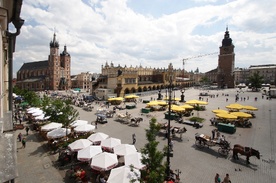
<point x="125" y="80"/>
<point x="10" y="11"/>
<point x="51" y="74"/>
<point x="267" y="71"/>
<point x="226" y="63"/>
<point x="82" y="81"/>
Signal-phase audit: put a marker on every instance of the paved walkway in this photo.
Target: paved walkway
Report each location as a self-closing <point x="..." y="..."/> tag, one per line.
<point x="196" y="165"/>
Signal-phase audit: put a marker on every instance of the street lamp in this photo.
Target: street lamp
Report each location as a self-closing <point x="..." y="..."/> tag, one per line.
<point x="182" y="95"/>
<point x="169" y="150"/>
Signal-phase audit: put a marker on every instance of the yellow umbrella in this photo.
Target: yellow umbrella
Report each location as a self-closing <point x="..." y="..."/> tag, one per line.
<point x="219" y="111"/>
<point x="162" y="103"/>
<point x="251" y="108"/>
<point x="177" y="108"/>
<point x="235" y="106"/>
<point x="186" y="106"/>
<point x="116" y="99"/>
<point x="152" y="103"/>
<point x="241" y="114"/>
<point x="131" y="96"/>
<point x="226" y="116"/>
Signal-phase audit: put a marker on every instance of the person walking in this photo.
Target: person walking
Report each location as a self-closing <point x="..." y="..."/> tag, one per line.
<point x="23" y="142"/>
<point x="27" y="130"/>
<point x="217" y="178"/>
<point x="19" y="137"/>
<point x="226" y="179"/>
<point x="133" y="138"/>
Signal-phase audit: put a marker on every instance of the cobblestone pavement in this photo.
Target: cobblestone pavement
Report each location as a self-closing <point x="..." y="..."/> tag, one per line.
<point x="196" y="165"/>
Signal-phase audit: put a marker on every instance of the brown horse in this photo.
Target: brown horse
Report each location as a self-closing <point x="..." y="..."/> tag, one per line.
<point x="246" y="151"/>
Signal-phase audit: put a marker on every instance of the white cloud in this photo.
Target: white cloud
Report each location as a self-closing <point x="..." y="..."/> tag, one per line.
<point x="97" y="31"/>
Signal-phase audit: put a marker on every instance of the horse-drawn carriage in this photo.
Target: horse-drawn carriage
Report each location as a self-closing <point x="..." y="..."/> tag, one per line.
<point x="88" y="107"/>
<point x="124" y="118"/>
<point x="205" y="140"/>
<point x="173" y="130"/>
<point x="136" y="120"/>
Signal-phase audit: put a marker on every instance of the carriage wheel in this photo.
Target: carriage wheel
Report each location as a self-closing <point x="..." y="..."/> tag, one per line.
<point x="199" y="144"/>
<point x="223" y="152"/>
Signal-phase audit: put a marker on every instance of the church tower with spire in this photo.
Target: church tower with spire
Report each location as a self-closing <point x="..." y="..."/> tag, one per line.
<point x="226" y="62"/>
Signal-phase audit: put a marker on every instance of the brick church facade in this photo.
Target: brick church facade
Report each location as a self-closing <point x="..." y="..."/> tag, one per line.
<point x="51" y="74"/>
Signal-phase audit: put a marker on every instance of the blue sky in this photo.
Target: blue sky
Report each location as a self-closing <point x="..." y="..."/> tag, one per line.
<point x="148" y="33"/>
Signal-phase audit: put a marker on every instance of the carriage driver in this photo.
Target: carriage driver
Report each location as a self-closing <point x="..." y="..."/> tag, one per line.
<point x="221" y="139"/>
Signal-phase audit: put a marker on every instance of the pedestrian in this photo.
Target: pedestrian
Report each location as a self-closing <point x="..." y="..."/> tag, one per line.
<point x="23" y="142"/>
<point x="218" y="134"/>
<point x="217" y="178"/>
<point x="27" y="130"/>
<point x="19" y="137"/>
<point x="226" y="179"/>
<point x="133" y="138"/>
<point x="96" y="124"/>
<point x="213" y="134"/>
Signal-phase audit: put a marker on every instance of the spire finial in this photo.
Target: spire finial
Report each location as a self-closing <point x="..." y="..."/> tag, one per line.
<point x="227" y="27"/>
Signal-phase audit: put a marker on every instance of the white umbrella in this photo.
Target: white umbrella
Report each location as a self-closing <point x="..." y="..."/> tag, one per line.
<point x="89" y="152"/>
<point x="37" y="113"/>
<point x="96" y="138"/>
<point x="110" y="143"/>
<point x="58" y="133"/>
<point x="135" y="160"/>
<point x="84" y="128"/>
<point x="123" y="174"/>
<point x="51" y="126"/>
<point x="79" y="144"/>
<point x="34" y="110"/>
<point x="42" y="117"/>
<point x="78" y="122"/>
<point x="104" y="161"/>
<point x="124" y="149"/>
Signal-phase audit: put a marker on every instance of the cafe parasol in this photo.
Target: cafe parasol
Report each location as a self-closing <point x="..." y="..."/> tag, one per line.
<point x="241" y="114"/>
<point x="226" y="116"/>
<point x="110" y="143"/>
<point x="135" y="160"/>
<point x="219" y="111"/>
<point x="250" y="108"/>
<point x="196" y="102"/>
<point x="124" y="174"/>
<point x="58" y="133"/>
<point x="124" y="149"/>
<point x="51" y="126"/>
<point x="98" y="137"/>
<point x="79" y="144"/>
<point x="86" y="154"/>
<point x="104" y="161"/>
<point x="235" y="106"/>
<point x="78" y="122"/>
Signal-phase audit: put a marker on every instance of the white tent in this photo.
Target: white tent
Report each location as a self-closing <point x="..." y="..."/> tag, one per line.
<point x="104" y="161"/>
<point x="89" y="152"/>
<point x="135" y="160"/>
<point x="97" y="138"/>
<point x="79" y="144"/>
<point x="110" y="143"/>
<point x="124" y="174"/>
<point x="51" y="126"/>
<point x="84" y="128"/>
<point x="78" y="123"/>
<point x="124" y="149"/>
<point x="58" y="133"/>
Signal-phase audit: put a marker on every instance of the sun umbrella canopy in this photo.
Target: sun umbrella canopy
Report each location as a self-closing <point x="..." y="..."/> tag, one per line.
<point x="84" y="128"/>
<point x="89" y="152"/>
<point x="104" y="161"/>
<point x="241" y="114"/>
<point x="251" y="108"/>
<point x="79" y="144"/>
<point x="226" y="116"/>
<point x="177" y="108"/>
<point x="124" y="149"/>
<point x="134" y="159"/>
<point x="116" y="99"/>
<point x="51" y="126"/>
<point x="42" y="117"/>
<point x="78" y="122"/>
<point x="58" y="133"/>
<point x="33" y="110"/>
<point x="219" y="111"/>
<point x="124" y="174"/>
<point x="131" y="96"/>
<point x="98" y="137"/>
<point x="110" y="143"/>
<point x="235" y="106"/>
<point x="173" y="99"/>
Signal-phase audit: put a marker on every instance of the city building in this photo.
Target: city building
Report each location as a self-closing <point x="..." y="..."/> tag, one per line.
<point x="120" y="80"/>
<point x="223" y="75"/>
<point x="10" y="18"/>
<point x="82" y="81"/>
<point x="267" y="71"/>
<point x="51" y="74"/>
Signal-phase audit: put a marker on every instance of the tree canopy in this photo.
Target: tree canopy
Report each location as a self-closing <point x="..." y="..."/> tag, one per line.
<point x="256" y="81"/>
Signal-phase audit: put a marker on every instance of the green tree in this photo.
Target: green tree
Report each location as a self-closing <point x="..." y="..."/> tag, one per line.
<point x="256" y="81"/>
<point x="151" y="157"/>
<point x="60" y="111"/>
<point x="29" y="96"/>
<point x="204" y="80"/>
